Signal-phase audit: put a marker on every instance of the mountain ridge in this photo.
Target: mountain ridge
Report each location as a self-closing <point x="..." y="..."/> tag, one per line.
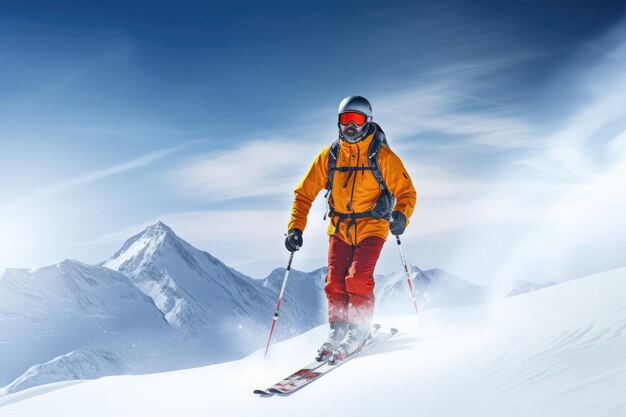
<point x="207" y="311"/>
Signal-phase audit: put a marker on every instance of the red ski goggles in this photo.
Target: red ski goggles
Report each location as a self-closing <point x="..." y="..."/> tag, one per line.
<point x="357" y="118"/>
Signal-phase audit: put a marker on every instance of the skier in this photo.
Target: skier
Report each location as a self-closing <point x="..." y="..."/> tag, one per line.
<point x="369" y="194"/>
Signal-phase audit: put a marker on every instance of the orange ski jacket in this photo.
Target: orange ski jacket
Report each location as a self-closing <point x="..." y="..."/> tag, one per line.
<point x="358" y="187"/>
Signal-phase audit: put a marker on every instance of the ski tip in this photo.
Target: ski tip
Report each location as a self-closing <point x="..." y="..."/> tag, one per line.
<point x="279" y="391"/>
<point x="262" y="392"/>
<point x="393" y="331"/>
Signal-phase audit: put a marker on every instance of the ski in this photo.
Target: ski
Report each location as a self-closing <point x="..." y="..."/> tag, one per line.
<point x="301" y="373"/>
<point x="286" y="381"/>
<point x="308" y="374"/>
<point x="327" y="367"/>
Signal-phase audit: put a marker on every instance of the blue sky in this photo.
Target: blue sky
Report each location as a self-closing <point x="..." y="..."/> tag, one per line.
<point x="509" y="118"/>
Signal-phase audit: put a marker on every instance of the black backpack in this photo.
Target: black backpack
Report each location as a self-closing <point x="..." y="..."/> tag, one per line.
<point x="385" y="202"/>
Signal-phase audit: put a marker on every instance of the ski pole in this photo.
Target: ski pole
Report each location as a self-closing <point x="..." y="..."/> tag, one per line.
<point x="280" y="299"/>
<point x="408" y="279"/>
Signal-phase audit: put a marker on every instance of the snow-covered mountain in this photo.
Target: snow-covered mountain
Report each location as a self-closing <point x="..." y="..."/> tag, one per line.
<point x="433" y="288"/>
<point x="72" y="321"/>
<point x="304" y="289"/>
<point x="520" y="356"/>
<point x="213" y="305"/>
<point x="521" y="287"/>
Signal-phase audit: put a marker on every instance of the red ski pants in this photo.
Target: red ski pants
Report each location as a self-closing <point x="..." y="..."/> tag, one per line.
<point x="350" y="279"/>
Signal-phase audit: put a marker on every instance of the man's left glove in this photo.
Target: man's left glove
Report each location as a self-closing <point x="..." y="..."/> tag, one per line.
<point x="397" y="223"/>
<point x="294" y="240"/>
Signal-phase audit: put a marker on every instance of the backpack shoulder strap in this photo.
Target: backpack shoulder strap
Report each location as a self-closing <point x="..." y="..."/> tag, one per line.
<point x="379" y="134"/>
<point x="333" y="153"/>
<point x="378" y="140"/>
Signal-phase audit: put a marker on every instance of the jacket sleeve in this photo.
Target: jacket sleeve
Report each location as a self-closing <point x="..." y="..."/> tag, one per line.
<point x="313" y="182"/>
<point x="399" y="183"/>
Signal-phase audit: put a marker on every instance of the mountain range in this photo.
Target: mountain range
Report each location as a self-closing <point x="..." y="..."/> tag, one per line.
<point x="159" y="304"/>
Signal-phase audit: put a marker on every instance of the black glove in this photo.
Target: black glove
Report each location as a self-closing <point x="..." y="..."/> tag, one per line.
<point x="293" y="241"/>
<point x="397" y="223"/>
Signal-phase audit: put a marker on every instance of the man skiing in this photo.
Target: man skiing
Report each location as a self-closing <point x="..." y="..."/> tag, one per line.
<point x="369" y="194"/>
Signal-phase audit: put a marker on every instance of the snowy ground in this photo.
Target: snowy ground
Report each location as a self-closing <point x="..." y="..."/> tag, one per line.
<point x="560" y="351"/>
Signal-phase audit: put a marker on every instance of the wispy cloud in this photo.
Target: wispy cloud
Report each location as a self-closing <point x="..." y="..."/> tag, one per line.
<point x="100" y="174"/>
<point x="435" y="109"/>
<point x="452" y="101"/>
<point x="259" y="168"/>
<point x="583" y="231"/>
<point x="265" y="167"/>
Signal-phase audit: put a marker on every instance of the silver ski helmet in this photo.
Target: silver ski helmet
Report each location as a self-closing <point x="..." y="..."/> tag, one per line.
<point x="354" y="116"/>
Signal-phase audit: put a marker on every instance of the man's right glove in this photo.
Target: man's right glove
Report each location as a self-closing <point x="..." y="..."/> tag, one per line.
<point x="294" y="240"/>
<point x="397" y="223"/>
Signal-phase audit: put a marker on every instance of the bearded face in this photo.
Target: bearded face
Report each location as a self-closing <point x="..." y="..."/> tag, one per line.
<point x="352" y="132"/>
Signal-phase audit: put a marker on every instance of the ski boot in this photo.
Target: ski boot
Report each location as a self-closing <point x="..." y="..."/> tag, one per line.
<point x="336" y="334"/>
<point x="356" y="337"/>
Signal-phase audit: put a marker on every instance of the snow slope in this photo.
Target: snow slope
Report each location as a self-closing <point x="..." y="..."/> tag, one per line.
<point x="559" y="351"/>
